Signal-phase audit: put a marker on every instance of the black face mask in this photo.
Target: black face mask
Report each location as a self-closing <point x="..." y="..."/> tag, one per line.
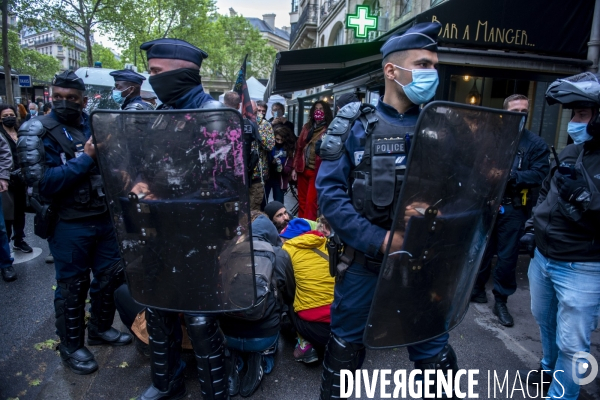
<point x="9" y="122"/>
<point x="67" y="111"/>
<point x="170" y="86"/>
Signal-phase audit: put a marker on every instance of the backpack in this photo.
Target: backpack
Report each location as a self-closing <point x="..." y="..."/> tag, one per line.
<point x="264" y="262"/>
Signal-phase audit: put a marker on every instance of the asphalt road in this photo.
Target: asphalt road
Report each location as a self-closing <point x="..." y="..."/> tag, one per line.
<point x="30" y="372"/>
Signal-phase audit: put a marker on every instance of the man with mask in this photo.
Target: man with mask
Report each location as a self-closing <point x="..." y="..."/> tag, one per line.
<point x="57" y="157"/>
<point x="564" y="274"/>
<point x="175" y="77"/>
<point x="261" y="147"/>
<point x="411" y="79"/>
<point x="33" y="111"/>
<point x="127" y="90"/>
<point x="529" y="169"/>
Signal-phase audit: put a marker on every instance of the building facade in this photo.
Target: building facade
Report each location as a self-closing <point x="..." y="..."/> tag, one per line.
<point x="278" y="38"/>
<point x="70" y="51"/>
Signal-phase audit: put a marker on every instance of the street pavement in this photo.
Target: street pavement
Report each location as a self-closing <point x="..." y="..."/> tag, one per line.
<point x="30" y="368"/>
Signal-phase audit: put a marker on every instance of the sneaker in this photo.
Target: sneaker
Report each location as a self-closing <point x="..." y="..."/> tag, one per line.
<point x="9" y="274"/>
<point x="49" y="259"/>
<point x="305" y="352"/>
<point x="254" y="374"/>
<point x="22" y="246"/>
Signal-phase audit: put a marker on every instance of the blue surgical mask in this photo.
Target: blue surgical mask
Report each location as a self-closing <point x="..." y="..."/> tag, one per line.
<point x="423" y="86"/>
<point x="118" y="96"/>
<point x="578" y="132"/>
<point x="33" y="113"/>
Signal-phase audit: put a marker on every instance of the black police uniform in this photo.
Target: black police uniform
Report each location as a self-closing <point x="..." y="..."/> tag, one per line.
<point x="81" y="236"/>
<point x="164" y="328"/>
<point x="529" y="169"/>
<point x="349" y="177"/>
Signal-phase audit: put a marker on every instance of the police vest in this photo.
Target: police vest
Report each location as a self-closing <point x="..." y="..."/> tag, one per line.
<point x="376" y="181"/>
<point x="86" y="198"/>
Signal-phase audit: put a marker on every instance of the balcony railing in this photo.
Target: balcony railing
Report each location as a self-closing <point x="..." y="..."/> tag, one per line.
<point x="327" y="6"/>
<point x="309" y="16"/>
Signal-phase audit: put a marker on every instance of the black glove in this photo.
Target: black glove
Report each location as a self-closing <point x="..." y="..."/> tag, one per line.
<point x="575" y="191"/>
<point x="527" y="241"/>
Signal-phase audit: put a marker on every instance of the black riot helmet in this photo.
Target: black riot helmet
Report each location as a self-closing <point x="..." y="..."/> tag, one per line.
<point x="578" y="91"/>
<point x="214" y="121"/>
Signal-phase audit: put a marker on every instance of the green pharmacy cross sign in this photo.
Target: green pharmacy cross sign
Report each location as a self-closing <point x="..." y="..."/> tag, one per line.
<point x="361" y="22"/>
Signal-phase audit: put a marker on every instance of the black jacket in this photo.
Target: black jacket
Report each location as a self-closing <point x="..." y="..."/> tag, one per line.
<point x="531" y="165"/>
<point x="558" y="235"/>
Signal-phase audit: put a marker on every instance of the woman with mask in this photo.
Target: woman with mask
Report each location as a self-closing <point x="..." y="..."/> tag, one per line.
<point x="281" y="160"/>
<point x="307" y="162"/>
<point x="13" y="200"/>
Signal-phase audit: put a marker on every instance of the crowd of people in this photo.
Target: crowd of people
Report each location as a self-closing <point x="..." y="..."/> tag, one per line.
<point x="48" y="163"/>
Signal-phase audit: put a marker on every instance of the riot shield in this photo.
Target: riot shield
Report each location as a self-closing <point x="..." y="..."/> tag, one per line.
<point x="459" y="162"/>
<point x="176" y="186"/>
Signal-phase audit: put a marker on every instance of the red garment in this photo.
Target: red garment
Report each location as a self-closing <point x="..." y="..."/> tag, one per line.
<point x="307" y="195"/>
<point x="319" y="314"/>
<point x="301" y="143"/>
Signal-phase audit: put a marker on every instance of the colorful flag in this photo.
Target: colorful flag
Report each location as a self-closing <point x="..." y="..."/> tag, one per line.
<point x="241" y="88"/>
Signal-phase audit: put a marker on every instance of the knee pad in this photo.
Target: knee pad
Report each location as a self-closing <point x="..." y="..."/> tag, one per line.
<point x="165" y="344"/>
<point x="339" y="355"/>
<point x="69" y="307"/>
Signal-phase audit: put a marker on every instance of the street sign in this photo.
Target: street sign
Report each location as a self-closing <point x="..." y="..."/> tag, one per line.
<point x="361" y="22"/>
<point x="25" y="80"/>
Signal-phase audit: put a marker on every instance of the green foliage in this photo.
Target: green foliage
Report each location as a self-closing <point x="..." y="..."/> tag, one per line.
<point x="233" y="38"/>
<point x="106" y="57"/>
<point x="30" y="62"/>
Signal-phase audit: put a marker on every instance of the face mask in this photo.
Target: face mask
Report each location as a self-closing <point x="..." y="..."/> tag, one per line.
<point x="319" y="115"/>
<point x="118" y="96"/>
<point x="423" y="86"/>
<point x="9" y="121"/>
<point x="170" y="86"/>
<point x="259" y="118"/>
<point x="67" y="111"/>
<point x="33" y="113"/>
<point x="578" y="132"/>
<point x="276" y="114"/>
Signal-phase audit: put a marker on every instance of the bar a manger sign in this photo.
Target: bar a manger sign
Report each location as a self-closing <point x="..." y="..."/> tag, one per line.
<point x="361" y="22"/>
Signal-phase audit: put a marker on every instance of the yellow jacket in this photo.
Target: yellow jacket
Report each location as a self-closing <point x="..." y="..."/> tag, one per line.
<point x="314" y="285"/>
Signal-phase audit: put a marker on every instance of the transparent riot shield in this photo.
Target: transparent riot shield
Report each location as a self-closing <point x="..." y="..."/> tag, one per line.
<point x="176" y="187"/>
<point x="459" y="163"/>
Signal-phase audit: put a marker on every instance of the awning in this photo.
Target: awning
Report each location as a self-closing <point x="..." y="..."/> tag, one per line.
<point x="551" y="28"/>
<point x="301" y="69"/>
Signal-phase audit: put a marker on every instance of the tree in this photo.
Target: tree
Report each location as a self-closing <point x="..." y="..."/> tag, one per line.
<point x="232" y="38"/>
<point x="5" y="55"/>
<point x="30" y="62"/>
<point x="70" y="18"/>
<point x="106" y="57"/>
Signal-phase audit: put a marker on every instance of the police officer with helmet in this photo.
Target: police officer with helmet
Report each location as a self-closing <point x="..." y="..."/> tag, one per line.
<point x="127" y="90"/>
<point x="343" y="182"/>
<point x="175" y="77"/>
<point x="57" y="158"/>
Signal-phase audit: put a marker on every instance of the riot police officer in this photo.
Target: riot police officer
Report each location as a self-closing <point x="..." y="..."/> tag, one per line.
<point x="175" y="77"/>
<point x="57" y="157"/>
<point x="347" y="200"/>
<point x="127" y="90"/>
<point x="529" y="169"/>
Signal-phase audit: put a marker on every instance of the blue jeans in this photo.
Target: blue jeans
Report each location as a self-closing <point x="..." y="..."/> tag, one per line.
<point x="5" y="258"/>
<point x="257" y="345"/>
<point x="565" y="301"/>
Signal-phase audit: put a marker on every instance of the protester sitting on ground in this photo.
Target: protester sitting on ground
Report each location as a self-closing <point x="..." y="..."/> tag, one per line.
<point x="313" y="286"/>
<point x="278" y="214"/>
<point x="253" y="342"/>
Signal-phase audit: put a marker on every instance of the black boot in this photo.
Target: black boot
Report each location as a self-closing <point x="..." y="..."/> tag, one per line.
<point x="100" y="330"/>
<point x="502" y="313"/>
<point x="70" y="325"/>
<point x="445" y="361"/>
<point x="339" y="355"/>
<point x="165" y="363"/>
<point x="208" y="343"/>
<point x="233" y="376"/>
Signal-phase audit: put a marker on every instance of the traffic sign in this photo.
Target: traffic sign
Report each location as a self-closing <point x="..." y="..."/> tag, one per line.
<point x="25" y="80"/>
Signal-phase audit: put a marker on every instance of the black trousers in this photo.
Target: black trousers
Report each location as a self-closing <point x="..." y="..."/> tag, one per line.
<point x="504" y="242"/>
<point x="317" y="333"/>
<point x="15" y="228"/>
<point x="127" y="307"/>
